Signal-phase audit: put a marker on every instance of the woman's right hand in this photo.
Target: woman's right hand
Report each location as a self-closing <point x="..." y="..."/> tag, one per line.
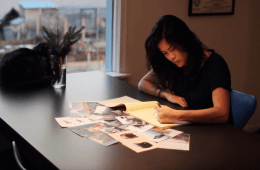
<point x="176" y="99"/>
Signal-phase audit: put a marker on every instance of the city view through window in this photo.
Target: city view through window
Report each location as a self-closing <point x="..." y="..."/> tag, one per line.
<point x="25" y="31"/>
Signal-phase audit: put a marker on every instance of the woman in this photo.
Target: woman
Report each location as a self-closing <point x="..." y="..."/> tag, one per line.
<point x="185" y="72"/>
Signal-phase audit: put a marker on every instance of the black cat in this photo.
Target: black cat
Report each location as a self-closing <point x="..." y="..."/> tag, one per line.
<point x="23" y="66"/>
<point x="40" y="65"/>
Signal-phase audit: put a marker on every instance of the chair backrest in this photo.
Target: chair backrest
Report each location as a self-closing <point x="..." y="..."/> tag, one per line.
<point x="17" y="156"/>
<point x="242" y="107"/>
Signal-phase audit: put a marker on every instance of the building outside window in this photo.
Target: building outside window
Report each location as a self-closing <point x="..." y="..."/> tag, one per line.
<point x="88" y="54"/>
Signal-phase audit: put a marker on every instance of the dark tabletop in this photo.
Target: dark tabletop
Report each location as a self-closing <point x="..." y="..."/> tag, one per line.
<point x="27" y="116"/>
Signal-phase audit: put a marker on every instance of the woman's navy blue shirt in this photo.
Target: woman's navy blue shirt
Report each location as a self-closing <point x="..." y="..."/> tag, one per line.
<point x="214" y="73"/>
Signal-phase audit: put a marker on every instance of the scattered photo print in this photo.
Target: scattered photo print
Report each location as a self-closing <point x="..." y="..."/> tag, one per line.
<point x="78" y="109"/>
<point x="83" y="129"/>
<point x="112" y="129"/>
<point x="182" y="138"/>
<point x="114" y="122"/>
<point x="100" y="109"/>
<point x="70" y="122"/>
<point x="93" y="105"/>
<point x="119" y="112"/>
<point x="127" y="136"/>
<point x="95" y="128"/>
<point x="95" y="117"/>
<point x="104" y="110"/>
<point x="160" y="130"/>
<point x="109" y="128"/>
<point x="117" y="123"/>
<point x="155" y="136"/>
<point x="141" y="145"/>
<point x="168" y="132"/>
<point x="127" y="120"/>
<point x="88" y="109"/>
<point x="179" y="142"/>
<point x="140" y="128"/>
<point x="82" y="109"/>
<point x="103" y="127"/>
<point x="102" y="138"/>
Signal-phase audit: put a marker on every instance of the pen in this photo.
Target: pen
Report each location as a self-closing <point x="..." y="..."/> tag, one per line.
<point x="157" y="111"/>
<point x="181" y="122"/>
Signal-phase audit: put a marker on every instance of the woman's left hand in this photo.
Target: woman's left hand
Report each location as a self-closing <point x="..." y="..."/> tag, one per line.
<point x="166" y="114"/>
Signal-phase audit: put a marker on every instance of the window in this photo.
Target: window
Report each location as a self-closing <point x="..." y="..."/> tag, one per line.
<point x="26" y="30"/>
<point x="100" y="47"/>
<point x="116" y="42"/>
<point x="89" y="53"/>
<point x="109" y="34"/>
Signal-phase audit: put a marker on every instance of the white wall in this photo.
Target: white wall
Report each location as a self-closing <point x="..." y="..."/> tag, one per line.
<point x="235" y="37"/>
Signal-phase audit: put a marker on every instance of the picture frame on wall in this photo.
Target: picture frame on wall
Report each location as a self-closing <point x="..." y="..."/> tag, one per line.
<point x="211" y="7"/>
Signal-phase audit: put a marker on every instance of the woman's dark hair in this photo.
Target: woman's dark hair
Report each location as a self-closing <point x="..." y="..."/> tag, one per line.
<point x="176" y="33"/>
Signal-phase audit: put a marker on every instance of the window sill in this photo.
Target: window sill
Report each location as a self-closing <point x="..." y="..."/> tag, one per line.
<point x="118" y="75"/>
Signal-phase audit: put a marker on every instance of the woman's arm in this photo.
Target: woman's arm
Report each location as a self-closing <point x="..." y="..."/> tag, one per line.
<point x="147" y="85"/>
<point x="219" y="113"/>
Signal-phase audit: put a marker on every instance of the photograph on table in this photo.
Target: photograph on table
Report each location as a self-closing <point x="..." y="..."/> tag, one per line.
<point x="112" y="129"/>
<point x="141" y="145"/>
<point x="155" y="136"/>
<point x="102" y="110"/>
<point x="82" y="109"/>
<point x="96" y="127"/>
<point x="140" y="128"/>
<point x="93" y="111"/>
<point x="83" y="129"/>
<point x="127" y="120"/>
<point x="127" y="136"/>
<point x="95" y="117"/>
<point x="179" y="142"/>
<point x="70" y="122"/>
<point x="102" y="138"/>
<point x="168" y="132"/>
<point x="107" y="110"/>
<point x="106" y="127"/>
<point x="117" y="123"/>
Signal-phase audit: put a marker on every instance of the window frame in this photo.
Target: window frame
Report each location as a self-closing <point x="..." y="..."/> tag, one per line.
<point x="116" y="36"/>
<point x="109" y="34"/>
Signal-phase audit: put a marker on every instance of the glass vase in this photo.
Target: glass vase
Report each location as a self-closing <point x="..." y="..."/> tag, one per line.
<point x="63" y="67"/>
